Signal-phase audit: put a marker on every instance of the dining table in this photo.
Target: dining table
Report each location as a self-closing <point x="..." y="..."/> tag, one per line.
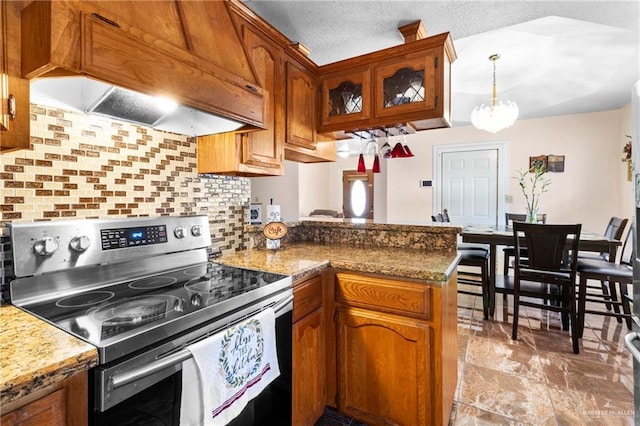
<point x="501" y="235"/>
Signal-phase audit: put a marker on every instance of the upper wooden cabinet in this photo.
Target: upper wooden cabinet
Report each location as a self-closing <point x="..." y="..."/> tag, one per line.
<point x="303" y="143"/>
<point x="402" y="85"/>
<point x="260" y="152"/>
<point x="301" y="91"/>
<point x="187" y="50"/>
<point x="14" y="91"/>
<point x="341" y="97"/>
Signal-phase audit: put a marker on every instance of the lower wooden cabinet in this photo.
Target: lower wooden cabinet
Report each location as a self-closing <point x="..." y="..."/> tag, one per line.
<point x="48" y="410"/>
<point x="396" y="349"/>
<point x="63" y="404"/>
<point x="383" y="367"/>
<point x="309" y="373"/>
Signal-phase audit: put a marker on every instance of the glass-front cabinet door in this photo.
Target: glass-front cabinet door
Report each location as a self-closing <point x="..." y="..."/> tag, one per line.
<point x="406" y="84"/>
<point x="345" y="97"/>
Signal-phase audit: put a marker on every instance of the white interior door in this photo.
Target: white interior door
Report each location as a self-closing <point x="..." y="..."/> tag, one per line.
<point x="470" y="186"/>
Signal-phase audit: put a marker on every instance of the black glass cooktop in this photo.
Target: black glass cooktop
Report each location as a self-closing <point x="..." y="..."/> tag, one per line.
<point x="126" y="310"/>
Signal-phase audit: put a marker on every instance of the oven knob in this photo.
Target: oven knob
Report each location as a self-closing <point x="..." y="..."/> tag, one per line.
<point x="179" y="232"/>
<point x="80" y="243"/>
<point x="45" y="246"/>
<point x="196" y="231"/>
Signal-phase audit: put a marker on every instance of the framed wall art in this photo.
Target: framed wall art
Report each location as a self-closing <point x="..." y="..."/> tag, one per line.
<point x="555" y="163"/>
<point x="537" y="161"/>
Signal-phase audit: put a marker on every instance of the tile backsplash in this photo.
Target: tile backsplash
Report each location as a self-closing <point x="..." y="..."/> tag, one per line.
<point x="83" y="166"/>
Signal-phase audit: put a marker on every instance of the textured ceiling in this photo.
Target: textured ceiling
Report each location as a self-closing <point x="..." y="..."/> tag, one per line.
<point x="557" y="57"/>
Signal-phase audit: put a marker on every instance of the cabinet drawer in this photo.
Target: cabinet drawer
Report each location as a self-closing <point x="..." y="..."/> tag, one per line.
<point x="384" y="295"/>
<point x="307" y="297"/>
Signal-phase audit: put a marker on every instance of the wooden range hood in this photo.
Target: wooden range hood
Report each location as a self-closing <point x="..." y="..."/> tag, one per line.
<point x="187" y="50"/>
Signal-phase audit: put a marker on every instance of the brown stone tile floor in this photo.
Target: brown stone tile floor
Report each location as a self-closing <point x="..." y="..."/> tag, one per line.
<point x="536" y="380"/>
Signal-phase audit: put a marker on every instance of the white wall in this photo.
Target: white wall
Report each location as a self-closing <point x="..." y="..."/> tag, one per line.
<point x="587" y="192"/>
<point x="625" y="190"/>
<point x="592" y="188"/>
<point x="282" y="189"/>
<point x="314" y="192"/>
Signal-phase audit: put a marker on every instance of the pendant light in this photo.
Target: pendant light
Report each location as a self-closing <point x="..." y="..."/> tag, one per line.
<point x="497" y="115"/>
<point x="361" y="167"/>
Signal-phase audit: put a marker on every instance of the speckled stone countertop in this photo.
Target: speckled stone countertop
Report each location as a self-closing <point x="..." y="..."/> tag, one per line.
<point x="34" y="354"/>
<point x="303" y="259"/>
<point x="423" y="252"/>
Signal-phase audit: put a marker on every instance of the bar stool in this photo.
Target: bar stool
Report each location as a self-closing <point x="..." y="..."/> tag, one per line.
<point x="613" y="276"/>
<point x="473" y="256"/>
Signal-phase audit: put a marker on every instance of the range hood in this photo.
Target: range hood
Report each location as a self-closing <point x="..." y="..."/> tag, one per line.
<point x="95" y="97"/>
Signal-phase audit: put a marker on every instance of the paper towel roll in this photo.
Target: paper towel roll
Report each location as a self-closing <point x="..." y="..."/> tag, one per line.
<point x="273" y="213"/>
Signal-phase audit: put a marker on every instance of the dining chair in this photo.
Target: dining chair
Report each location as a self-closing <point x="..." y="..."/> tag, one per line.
<point x="474" y="256"/>
<point x="614" y="230"/>
<point x="616" y="276"/>
<point x="509" y="251"/>
<point x="547" y="279"/>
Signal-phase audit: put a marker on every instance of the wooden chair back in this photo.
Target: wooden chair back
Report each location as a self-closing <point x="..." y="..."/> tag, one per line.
<point x="546" y="247"/>
<point x="509" y="218"/>
<point x="615" y="228"/>
<point x="626" y="258"/>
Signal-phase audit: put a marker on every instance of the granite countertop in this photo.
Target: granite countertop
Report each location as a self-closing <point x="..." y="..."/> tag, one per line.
<point x="303" y="259"/>
<point x="35" y="354"/>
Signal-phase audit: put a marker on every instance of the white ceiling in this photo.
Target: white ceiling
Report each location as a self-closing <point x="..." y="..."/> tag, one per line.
<point x="557" y="57"/>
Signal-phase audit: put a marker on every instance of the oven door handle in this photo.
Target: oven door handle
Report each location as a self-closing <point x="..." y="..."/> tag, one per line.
<point x="119" y="380"/>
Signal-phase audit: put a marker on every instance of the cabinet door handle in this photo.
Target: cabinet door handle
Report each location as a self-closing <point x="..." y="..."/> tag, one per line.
<point x="11" y="107"/>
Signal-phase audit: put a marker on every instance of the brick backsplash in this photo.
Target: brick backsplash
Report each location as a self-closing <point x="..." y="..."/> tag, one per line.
<point x="82" y="166"/>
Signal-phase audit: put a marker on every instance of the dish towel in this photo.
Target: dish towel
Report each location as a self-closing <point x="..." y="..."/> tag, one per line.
<point x="228" y="370"/>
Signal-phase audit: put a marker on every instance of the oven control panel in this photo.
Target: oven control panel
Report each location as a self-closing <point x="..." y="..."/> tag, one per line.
<point x="133" y="237"/>
<point x="41" y="247"/>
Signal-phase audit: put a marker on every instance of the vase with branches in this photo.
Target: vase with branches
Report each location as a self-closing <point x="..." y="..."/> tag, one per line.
<point x="533" y="183"/>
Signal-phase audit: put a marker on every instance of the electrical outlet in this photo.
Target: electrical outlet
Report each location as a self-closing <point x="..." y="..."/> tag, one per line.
<point x="508" y="199"/>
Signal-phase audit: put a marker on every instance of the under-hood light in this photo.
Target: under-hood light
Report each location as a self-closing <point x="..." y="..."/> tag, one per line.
<point x="166" y="105"/>
<point x="95" y="97"/>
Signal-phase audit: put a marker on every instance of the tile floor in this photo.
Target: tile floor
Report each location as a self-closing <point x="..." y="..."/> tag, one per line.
<point x="536" y="380"/>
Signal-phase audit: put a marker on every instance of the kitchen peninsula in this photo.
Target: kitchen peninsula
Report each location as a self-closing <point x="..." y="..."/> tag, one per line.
<point x="375" y="308"/>
<point x="374" y="326"/>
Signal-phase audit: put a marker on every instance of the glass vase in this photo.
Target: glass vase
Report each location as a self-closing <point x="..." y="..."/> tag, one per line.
<point x="532" y="216"/>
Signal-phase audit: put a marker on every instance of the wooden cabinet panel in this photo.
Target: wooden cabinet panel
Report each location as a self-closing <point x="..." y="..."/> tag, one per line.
<point x="49" y="410"/>
<point x="407" y="85"/>
<point x="14" y="91"/>
<point x="257" y="153"/>
<point x="301" y="111"/>
<point x="345" y="97"/>
<point x="309" y="349"/>
<point x="384" y="295"/>
<point x="384" y="368"/>
<point x="307" y="297"/>
<point x="266" y="147"/>
<point x="309" y="376"/>
<point x="62" y="404"/>
<point x="396" y="349"/>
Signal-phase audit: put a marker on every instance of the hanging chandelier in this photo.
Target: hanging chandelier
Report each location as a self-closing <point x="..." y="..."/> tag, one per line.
<point x="498" y="115"/>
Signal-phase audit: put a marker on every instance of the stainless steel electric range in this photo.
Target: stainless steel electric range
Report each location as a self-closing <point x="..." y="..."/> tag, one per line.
<point x="141" y="290"/>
